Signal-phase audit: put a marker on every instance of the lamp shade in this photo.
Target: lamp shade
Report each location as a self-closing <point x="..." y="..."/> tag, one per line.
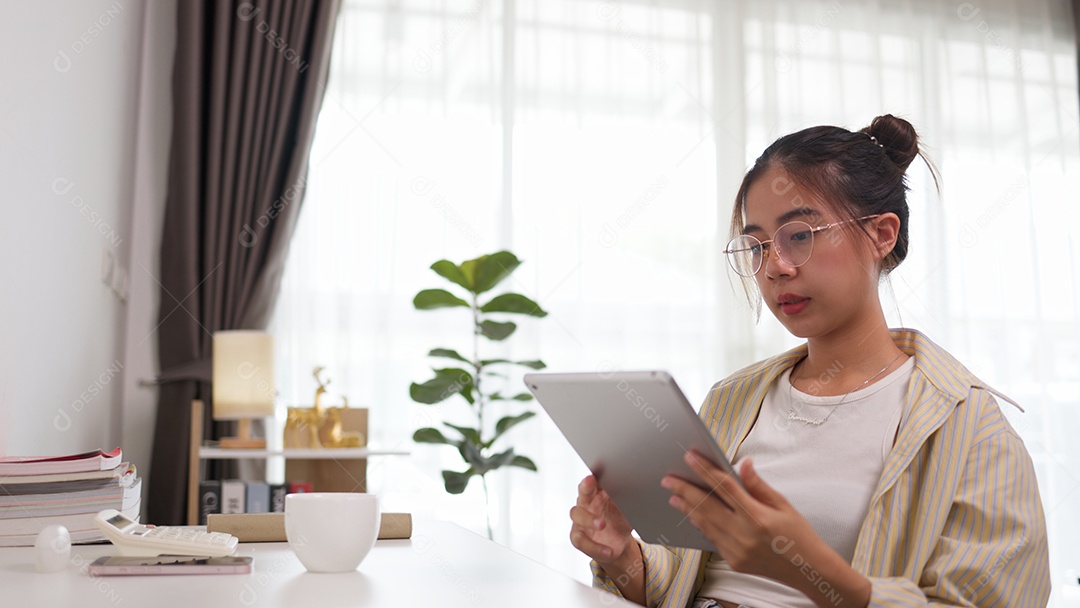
<point x="243" y="383"/>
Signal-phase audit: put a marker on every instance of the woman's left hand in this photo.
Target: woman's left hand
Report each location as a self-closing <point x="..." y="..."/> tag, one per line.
<point x="755" y="529"/>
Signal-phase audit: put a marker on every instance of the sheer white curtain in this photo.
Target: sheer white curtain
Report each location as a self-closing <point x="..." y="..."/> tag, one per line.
<point x="603" y="141"/>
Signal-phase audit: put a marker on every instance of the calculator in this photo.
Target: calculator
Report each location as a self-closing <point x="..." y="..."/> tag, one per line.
<point x="138" y="540"/>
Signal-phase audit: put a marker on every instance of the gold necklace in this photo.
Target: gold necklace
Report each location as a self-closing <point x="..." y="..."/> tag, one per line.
<point x="817" y="421"/>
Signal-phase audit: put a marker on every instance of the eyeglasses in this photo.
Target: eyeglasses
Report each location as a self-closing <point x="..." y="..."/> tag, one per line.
<point x="794" y="242"/>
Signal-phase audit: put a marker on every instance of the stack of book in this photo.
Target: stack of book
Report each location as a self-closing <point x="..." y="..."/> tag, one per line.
<point x="239" y="496"/>
<point x="36" y="492"/>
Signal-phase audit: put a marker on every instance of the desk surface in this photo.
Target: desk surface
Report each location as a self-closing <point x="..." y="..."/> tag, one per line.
<point x="441" y="565"/>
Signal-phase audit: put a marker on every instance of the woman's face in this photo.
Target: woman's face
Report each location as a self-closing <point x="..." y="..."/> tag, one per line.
<point x="836" y="289"/>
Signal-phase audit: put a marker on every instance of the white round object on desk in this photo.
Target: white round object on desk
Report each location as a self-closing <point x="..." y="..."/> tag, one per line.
<point x="331" y="531"/>
<point x="52" y="549"/>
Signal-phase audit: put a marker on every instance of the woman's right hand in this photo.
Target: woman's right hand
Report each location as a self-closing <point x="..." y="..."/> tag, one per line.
<point x="601" y="531"/>
<point x="599" y="528"/>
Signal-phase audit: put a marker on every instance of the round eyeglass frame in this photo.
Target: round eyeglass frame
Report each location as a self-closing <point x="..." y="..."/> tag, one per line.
<point x="753" y="242"/>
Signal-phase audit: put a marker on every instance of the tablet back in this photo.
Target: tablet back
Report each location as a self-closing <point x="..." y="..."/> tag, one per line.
<point x="632" y="429"/>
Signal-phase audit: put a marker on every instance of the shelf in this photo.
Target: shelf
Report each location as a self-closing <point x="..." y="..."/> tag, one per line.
<point x="326" y="469"/>
<point x="212" y="453"/>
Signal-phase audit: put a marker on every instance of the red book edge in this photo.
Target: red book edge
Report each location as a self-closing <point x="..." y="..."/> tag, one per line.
<point x="88" y="461"/>
<point x="84" y="456"/>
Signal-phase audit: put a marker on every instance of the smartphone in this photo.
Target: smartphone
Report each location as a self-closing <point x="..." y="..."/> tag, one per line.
<point x="169" y="564"/>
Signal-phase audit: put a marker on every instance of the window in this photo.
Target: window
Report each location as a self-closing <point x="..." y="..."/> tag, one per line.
<point x="603" y="143"/>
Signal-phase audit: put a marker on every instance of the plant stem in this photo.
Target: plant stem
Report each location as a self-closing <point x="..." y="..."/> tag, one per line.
<point x="479" y="367"/>
<point x="480" y="401"/>
<point x="487" y="506"/>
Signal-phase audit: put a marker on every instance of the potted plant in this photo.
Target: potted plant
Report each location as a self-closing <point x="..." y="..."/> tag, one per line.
<point x="477" y="380"/>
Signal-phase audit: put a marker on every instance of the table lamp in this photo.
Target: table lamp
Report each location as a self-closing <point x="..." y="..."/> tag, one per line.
<point x="243" y="382"/>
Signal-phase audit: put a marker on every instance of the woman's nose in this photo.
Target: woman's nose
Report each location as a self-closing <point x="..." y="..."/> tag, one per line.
<point x="775" y="266"/>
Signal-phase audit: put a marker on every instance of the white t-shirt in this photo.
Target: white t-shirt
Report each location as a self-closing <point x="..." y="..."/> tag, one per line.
<point x="825" y="455"/>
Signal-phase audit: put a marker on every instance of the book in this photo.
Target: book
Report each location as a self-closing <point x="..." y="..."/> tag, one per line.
<point x="232" y="496"/>
<point x="78" y="537"/>
<point x="69" y="490"/>
<point x="69" y="503"/>
<point x="7" y="483"/>
<point x="69" y="521"/>
<point x="96" y="460"/>
<point x="209" y="499"/>
<point x="122" y="476"/>
<point x="258" y="497"/>
<point x="296" y="487"/>
<point x="277" y="497"/>
<point x="45" y="491"/>
<point x="81" y="527"/>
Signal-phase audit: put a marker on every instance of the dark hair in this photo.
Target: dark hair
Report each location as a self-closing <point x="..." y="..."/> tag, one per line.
<point x="853" y="173"/>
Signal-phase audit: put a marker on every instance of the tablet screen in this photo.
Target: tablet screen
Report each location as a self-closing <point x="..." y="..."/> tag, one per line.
<point x="631" y="429"/>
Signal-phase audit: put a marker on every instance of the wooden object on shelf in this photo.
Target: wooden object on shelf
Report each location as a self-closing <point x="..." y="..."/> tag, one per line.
<point x="244" y="440"/>
<point x="344" y="428"/>
<point x="335" y="474"/>
<point x="328" y="469"/>
<point x="194" y="461"/>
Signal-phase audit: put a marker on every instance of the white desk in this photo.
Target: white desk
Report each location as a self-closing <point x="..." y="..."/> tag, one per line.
<point x="442" y="565"/>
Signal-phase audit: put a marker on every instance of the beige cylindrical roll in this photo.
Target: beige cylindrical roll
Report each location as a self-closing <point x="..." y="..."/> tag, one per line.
<point x="395" y="525"/>
<point x="270" y="527"/>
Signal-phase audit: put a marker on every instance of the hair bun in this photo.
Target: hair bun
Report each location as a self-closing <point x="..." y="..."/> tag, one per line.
<point x="897" y="137"/>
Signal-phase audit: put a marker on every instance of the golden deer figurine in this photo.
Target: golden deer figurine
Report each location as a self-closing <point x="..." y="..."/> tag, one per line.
<point x="319" y="427"/>
<point x="334" y="436"/>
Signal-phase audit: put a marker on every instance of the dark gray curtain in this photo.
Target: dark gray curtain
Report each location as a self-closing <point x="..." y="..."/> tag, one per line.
<point x="1076" y="29"/>
<point x="248" y="82"/>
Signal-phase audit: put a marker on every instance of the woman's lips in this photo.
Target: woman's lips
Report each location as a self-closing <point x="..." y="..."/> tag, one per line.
<point x="792" y="304"/>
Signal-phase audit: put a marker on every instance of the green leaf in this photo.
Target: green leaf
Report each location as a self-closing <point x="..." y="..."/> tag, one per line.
<point x="469" y="434"/>
<point x="490" y="270"/>
<point x="517" y="397"/>
<point x="471" y="454"/>
<point x="534" y="364"/>
<point x="486" y="362"/>
<point x="480" y="464"/>
<point x="537" y="364"/>
<point x="494" y="330"/>
<point x="452" y="272"/>
<point x="430" y="435"/>
<point x="497" y="461"/>
<point x="449" y="354"/>
<point x="495" y="269"/>
<point x="447" y="382"/>
<point x="523" y="462"/>
<point x="456" y="482"/>
<point x="514" y="303"/>
<point x="430" y="299"/>
<point x="507" y="423"/>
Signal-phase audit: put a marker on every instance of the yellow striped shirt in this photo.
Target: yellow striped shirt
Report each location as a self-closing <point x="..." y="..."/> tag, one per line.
<point x="955" y="519"/>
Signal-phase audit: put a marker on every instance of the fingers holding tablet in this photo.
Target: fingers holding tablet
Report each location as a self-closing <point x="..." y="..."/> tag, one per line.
<point x="587" y="489"/>
<point x="598" y="529"/>
<point x="713" y="485"/>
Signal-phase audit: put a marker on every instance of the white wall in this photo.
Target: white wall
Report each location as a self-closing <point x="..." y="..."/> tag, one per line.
<point x="84" y="177"/>
<point x="147" y="210"/>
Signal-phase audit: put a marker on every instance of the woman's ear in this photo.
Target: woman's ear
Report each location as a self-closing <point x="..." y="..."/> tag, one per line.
<point x="885" y="231"/>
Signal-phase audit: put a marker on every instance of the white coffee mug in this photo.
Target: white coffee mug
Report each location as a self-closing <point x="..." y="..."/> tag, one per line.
<point x="331" y="531"/>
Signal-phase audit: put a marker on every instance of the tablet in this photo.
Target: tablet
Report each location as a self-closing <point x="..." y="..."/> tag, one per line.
<point x="632" y="429"/>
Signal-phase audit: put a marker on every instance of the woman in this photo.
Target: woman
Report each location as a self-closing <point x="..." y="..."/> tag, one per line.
<point x="878" y="471"/>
